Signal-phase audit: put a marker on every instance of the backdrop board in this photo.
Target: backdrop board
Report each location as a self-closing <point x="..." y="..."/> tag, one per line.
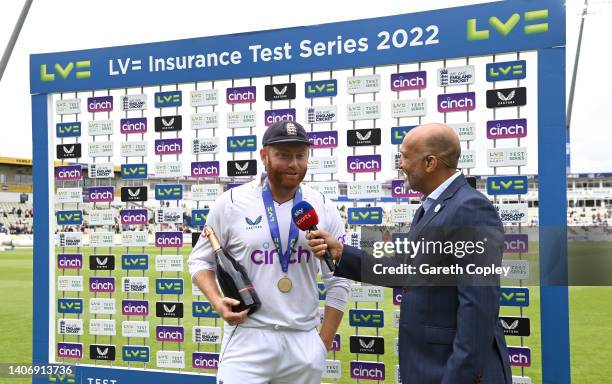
<point x="147" y="136"/>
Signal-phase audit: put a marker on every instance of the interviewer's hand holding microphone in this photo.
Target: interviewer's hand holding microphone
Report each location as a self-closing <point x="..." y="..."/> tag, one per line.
<point x="322" y="243"/>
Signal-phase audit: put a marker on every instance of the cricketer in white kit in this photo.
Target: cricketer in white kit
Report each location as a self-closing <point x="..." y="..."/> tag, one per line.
<point x="279" y="343"/>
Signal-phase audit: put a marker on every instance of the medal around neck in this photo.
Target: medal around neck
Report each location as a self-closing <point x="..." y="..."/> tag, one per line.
<point x="284" y="284"/>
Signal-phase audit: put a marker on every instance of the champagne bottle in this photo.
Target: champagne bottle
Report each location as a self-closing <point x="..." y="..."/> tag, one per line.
<point x="232" y="277"/>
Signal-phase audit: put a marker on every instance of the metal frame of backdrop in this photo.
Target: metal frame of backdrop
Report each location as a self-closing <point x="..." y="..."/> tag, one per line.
<point x="485" y="29"/>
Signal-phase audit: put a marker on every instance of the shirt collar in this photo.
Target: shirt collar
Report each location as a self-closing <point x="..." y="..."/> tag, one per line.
<point x="438" y="191"/>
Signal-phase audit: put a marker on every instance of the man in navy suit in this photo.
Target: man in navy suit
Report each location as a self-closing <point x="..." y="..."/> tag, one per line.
<point x="449" y="330"/>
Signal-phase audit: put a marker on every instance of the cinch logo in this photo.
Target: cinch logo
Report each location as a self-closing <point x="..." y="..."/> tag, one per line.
<point x="69" y="261"/>
<point x="274" y="115"/>
<point x="133" y="125"/>
<point x="198" y="217"/>
<point x="133" y="171"/>
<point x="284" y="91"/>
<point x="70" y="350"/>
<point x="325" y="139"/>
<point x="101" y="284"/>
<point x="205" y="169"/>
<point x="242" y="143"/>
<point x="408" y="81"/>
<point x="367" y="371"/>
<point x="100" y="104"/>
<point x="136" y="354"/>
<point x="366" y="318"/>
<point x="514" y="297"/>
<point x="72" y="129"/>
<point x="69" y="217"/>
<point x="509" y="70"/>
<point x="83" y="70"/>
<point x="505" y="27"/>
<point x="364" y="215"/>
<point x="168" y="192"/>
<point x="70" y="306"/>
<point x="135" y="262"/>
<point x="133" y="216"/>
<point x="322" y="291"/>
<point x="366" y="163"/>
<point x="397" y="296"/>
<point x="169" y="239"/>
<point x="398" y="189"/>
<point x="398" y="133"/>
<point x="169" y="286"/>
<point x="268" y="256"/>
<point x="203" y="360"/>
<point x="135" y="308"/>
<point x="203" y="309"/>
<point x="69" y="172"/>
<point x="506" y="185"/>
<point x="453" y="102"/>
<point x="518" y="243"/>
<point x="170" y="333"/>
<point x="506" y="129"/>
<point x="321" y="88"/>
<point x="168" y="146"/>
<point x="253" y="224"/>
<point x="240" y="95"/>
<point x="519" y="356"/>
<point x="101" y="194"/>
<point x="168" y="99"/>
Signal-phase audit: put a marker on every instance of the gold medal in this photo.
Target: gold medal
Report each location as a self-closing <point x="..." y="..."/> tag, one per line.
<point x="284" y="284"/>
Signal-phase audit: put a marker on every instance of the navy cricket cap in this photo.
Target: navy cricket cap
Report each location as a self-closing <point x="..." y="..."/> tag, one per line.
<point x="285" y="131"/>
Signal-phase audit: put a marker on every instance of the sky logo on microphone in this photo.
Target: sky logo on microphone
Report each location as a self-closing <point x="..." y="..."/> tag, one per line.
<point x="363" y="163"/>
<point x="168" y="239"/>
<point x="365" y="215"/>
<point x="203" y="309"/>
<point x="72" y="129"/>
<point x="205" y="169"/>
<point x="273" y="115"/>
<point x="69" y="172"/>
<point x="170" y="333"/>
<point x="373" y="318"/>
<point x="367" y="371"/>
<point x="133" y="125"/>
<point x="133" y="171"/>
<point x="239" y="95"/>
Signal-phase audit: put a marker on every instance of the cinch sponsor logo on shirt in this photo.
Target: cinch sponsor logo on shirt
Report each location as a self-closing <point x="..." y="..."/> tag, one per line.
<point x="269" y="256"/>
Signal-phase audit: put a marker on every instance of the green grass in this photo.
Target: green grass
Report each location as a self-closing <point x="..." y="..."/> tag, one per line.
<point x="590" y="321"/>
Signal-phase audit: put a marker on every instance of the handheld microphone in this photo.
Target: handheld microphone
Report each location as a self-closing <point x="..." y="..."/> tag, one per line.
<point x="305" y="218"/>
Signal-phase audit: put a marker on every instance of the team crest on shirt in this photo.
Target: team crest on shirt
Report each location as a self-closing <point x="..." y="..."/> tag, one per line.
<point x="253" y="224"/>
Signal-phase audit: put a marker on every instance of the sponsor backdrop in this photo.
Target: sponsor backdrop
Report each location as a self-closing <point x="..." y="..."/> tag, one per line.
<point x="171" y="125"/>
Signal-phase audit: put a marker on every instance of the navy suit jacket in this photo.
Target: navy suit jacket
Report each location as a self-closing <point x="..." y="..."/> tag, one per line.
<point x="448" y="333"/>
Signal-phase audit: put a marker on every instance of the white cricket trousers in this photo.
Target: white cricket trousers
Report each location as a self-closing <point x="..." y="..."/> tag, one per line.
<point x="262" y="356"/>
